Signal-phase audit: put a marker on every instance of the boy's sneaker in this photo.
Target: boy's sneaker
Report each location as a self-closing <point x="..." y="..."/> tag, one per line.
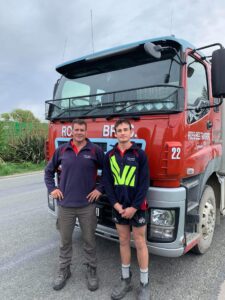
<point x="61" y="278"/>
<point x="122" y="289"/>
<point x="144" y="292"/>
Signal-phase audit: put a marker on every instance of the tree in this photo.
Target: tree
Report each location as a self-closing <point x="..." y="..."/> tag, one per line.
<point x="5" y="116"/>
<point x="20" y="115"/>
<point x="2" y="141"/>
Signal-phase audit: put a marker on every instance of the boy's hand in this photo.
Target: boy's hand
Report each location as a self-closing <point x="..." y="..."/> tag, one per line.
<point x="129" y="212"/>
<point x="119" y="208"/>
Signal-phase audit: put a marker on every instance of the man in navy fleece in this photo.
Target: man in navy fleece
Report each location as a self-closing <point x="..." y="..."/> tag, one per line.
<point x="126" y="181"/>
<point x="78" y="160"/>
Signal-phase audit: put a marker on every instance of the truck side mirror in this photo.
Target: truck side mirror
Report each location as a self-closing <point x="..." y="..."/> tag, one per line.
<point x="218" y="73"/>
<point x="153" y="50"/>
<point x="190" y="71"/>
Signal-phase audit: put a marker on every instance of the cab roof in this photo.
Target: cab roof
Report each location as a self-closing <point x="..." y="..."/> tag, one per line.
<point x="62" y="68"/>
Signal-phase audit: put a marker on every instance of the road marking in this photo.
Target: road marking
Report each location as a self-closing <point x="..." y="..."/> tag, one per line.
<point x="20" y="175"/>
<point x="26" y="256"/>
<point x="222" y="292"/>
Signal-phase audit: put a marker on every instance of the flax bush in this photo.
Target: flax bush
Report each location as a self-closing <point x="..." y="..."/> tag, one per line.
<point x="27" y="146"/>
<point x="30" y="148"/>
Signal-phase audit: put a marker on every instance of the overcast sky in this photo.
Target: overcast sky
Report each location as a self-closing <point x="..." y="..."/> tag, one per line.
<point x="37" y="35"/>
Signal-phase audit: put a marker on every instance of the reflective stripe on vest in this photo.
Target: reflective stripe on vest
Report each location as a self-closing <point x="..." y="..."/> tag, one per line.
<point x="128" y="175"/>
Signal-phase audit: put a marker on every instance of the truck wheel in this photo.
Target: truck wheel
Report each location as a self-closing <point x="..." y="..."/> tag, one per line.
<point x="207" y="221"/>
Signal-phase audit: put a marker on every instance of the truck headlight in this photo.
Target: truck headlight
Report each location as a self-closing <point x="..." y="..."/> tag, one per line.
<point x="162" y="226"/>
<point x="163" y="217"/>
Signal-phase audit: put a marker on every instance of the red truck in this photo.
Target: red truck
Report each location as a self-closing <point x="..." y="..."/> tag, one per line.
<point x="173" y="95"/>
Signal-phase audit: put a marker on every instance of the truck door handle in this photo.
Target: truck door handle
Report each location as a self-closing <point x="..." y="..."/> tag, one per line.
<point x="209" y="124"/>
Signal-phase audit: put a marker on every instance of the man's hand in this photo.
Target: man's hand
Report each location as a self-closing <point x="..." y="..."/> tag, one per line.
<point x="57" y="194"/>
<point x="119" y="208"/>
<point x="94" y="195"/>
<point x="129" y="212"/>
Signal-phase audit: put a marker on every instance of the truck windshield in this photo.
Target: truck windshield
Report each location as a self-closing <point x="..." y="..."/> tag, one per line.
<point x="126" y="87"/>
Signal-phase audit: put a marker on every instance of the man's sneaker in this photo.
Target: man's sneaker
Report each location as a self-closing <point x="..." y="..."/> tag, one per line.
<point x="122" y="289"/>
<point x="61" y="278"/>
<point x="144" y="292"/>
<point x="92" y="278"/>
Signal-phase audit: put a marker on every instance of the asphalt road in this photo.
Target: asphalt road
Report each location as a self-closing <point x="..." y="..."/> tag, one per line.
<point x="29" y="255"/>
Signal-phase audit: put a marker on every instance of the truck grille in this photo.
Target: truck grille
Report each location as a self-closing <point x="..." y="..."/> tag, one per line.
<point x="101" y="145"/>
<point x="105" y="213"/>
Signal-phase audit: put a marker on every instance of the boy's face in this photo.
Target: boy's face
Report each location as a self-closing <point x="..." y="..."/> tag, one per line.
<point x="123" y="133"/>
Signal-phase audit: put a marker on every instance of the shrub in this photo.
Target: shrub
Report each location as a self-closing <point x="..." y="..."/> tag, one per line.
<point x="2" y="141"/>
<point x="29" y="148"/>
<point x="22" y="142"/>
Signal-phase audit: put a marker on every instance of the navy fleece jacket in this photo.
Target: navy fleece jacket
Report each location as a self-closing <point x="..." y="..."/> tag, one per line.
<point x="127" y="186"/>
<point x="78" y="173"/>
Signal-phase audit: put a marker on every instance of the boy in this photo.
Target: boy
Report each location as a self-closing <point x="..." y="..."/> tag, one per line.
<point x="126" y="181"/>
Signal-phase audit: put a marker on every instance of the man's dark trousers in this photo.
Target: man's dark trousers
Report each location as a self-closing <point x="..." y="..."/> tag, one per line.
<point x="66" y="223"/>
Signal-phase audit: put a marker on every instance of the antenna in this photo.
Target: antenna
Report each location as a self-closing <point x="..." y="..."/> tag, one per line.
<point x="171" y="21"/>
<point x="92" y="33"/>
<point x="172" y="18"/>
<point x="64" y="50"/>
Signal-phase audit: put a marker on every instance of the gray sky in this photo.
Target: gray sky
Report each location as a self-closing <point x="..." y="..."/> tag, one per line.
<point x="37" y="35"/>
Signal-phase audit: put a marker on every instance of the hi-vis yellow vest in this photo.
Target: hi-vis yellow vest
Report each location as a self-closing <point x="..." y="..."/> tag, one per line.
<point x="128" y="175"/>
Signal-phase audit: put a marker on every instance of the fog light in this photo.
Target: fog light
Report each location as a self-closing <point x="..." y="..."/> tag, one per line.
<point x="161" y="233"/>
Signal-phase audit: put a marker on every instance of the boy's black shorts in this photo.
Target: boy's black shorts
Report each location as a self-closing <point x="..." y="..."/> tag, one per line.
<point x="139" y="219"/>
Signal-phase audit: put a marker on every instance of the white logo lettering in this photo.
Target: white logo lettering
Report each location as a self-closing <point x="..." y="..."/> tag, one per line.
<point x="67" y="131"/>
<point x="198" y="136"/>
<point x="108" y="130"/>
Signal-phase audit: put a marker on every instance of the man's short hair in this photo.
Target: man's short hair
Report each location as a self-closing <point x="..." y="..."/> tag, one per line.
<point x="121" y="121"/>
<point x="80" y="122"/>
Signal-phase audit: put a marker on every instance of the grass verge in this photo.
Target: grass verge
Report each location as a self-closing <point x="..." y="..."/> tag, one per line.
<point x="17" y="168"/>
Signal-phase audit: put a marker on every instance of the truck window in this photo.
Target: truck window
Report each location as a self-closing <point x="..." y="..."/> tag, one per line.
<point x="74" y="89"/>
<point x="197" y="90"/>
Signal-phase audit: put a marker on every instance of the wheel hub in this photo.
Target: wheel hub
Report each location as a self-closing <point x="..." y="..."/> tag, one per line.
<point x="208" y="220"/>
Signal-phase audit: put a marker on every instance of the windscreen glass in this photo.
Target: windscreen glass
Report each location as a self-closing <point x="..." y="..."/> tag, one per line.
<point x="124" y="85"/>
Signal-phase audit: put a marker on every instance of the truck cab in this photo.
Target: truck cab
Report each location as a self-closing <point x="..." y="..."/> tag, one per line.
<point x="173" y="96"/>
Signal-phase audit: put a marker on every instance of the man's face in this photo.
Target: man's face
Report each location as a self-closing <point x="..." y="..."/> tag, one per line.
<point x="79" y="132"/>
<point x="123" y="133"/>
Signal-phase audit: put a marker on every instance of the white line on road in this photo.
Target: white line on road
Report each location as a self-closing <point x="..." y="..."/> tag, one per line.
<point x="222" y="292"/>
<point x="20" y="175"/>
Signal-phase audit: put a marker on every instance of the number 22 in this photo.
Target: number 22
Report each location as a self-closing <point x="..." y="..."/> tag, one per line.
<point x="176" y="152"/>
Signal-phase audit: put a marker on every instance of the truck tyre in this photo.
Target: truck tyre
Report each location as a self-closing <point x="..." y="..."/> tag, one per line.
<point x="207" y="220"/>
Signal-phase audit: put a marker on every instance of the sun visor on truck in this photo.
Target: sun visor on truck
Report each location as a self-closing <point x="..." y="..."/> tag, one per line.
<point x="68" y="69"/>
<point x="218" y="73"/>
<point x="96" y="62"/>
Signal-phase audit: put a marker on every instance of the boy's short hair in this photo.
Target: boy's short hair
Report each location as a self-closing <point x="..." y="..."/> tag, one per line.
<point x="80" y="122"/>
<point x="120" y="121"/>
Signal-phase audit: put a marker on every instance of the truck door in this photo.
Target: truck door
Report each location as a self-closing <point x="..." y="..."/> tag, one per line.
<point x="198" y="120"/>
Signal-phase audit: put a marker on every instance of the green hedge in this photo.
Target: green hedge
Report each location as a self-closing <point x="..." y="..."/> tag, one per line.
<point x="22" y="142"/>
